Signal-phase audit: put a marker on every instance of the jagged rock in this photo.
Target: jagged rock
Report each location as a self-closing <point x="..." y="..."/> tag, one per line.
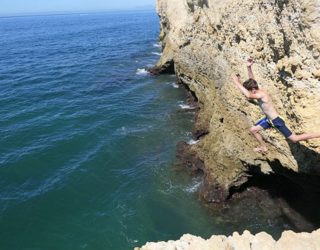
<point x="261" y="241"/>
<point x="206" y="42"/>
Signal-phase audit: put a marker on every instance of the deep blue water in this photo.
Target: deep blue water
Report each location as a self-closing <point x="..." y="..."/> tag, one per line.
<point x="87" y="139"/>
<point x="87" y="146"/>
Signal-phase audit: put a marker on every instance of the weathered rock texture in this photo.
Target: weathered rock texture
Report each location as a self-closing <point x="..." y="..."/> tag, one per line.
<point x="206" y="41"/>
<point x="261" y="241"/>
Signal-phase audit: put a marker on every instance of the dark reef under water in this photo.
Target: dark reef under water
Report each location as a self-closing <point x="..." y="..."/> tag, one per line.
<point x="271" y="202"/>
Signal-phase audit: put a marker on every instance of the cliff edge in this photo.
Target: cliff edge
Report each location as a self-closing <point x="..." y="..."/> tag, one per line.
<point x="206" y="41"/>
<point x="261" y="241"/>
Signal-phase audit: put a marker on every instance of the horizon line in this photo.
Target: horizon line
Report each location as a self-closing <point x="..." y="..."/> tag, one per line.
<point x="70" y="12"/>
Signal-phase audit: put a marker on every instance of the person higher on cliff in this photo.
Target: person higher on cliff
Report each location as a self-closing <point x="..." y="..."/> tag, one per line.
<point x="251" y="90"/>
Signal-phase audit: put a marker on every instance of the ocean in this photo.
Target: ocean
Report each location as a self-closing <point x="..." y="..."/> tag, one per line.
<point x="88" y="138"/>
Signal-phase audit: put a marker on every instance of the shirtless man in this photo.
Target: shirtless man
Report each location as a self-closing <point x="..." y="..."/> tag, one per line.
<point x="251" y="90"/>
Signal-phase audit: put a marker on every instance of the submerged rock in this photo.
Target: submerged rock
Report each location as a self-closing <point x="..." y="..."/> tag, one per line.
<point x="207" y="41"/>
<point x="246" y="241"/>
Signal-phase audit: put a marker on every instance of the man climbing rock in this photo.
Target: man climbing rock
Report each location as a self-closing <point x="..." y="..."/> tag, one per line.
<point x="251" y="90"/>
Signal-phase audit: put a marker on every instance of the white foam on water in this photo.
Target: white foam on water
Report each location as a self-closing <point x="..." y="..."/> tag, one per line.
<point x="142" y="72"/>
<point x="176" y="86"/>
<point x="124" y="131"/>
<point x="168" y="188"/>
<point x="193" y="142"/>
<point x="157" y="45"/>
<point x="156" y="53"/>
<point x="186" y="106"/>
<point x="194" y="186"/>
<point x="189" y="133"/>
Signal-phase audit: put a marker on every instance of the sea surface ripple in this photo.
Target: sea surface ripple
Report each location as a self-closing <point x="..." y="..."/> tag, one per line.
<point x="88" y="138"/>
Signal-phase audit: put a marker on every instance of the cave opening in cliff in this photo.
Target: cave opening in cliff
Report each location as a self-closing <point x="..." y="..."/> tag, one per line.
<point x="296" y="195"/>
<point x="168" y="68"/>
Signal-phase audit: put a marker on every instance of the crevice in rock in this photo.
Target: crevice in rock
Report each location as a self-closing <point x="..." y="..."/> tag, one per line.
<point x="191" y="92"/>
<point x="298" y="192"/>
<point x="198" y="131"/>
<point x="286" y="42"/>
<point x="282" y="75"/>
<point x="237" y="38"/>
<point x="294" y="68"/>
<point x="166" y="68"/>
<point x="192" y="4"/>
<point x="281" y="4"/>
<point x="164" y="28"/>
<point x="276" y="55"/>
<point x="198" y="134"/>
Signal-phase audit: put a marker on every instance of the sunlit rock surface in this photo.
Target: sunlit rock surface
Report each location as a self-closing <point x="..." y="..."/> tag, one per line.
<point x="261" y="241"/>
<point x="206" y="41"/>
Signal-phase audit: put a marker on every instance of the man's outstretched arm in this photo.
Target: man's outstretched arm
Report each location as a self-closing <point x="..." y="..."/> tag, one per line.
<point x="249" y="68"/>
<point x="246" y="92"/>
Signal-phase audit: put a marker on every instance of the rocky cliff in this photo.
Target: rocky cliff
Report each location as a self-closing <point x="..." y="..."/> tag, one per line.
<point x="206" y="41"/>
<point x="261" y="241"/>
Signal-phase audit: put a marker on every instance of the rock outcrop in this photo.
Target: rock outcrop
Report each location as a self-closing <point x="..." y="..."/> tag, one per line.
<point x="261" y="241"/>
<point x="205" y="42"/>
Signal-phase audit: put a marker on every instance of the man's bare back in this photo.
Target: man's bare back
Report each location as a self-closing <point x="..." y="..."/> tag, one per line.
<point x="251" y="90"/>
<point x="266" y="104"/>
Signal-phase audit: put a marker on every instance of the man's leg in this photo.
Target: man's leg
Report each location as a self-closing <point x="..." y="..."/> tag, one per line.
<point x="296" y="138"/>
<point x="255" y="130"/>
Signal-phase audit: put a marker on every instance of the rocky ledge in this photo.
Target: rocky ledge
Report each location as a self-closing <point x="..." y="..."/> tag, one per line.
<point x="204" y="42"/>
<point x="261" y="241"/>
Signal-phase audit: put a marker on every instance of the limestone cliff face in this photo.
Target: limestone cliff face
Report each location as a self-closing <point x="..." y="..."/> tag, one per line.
<point x="209" y="40"/>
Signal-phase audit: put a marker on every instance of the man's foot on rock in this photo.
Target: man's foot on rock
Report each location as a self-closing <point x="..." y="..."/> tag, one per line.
<point x="260" y="149"/>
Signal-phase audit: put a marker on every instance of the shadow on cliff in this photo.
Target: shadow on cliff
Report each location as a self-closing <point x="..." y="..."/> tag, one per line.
<point x="300" y="190"/>
<point x="307" y="159"/>
<point x="297" y="195"/>
<point x="192" y="4"/>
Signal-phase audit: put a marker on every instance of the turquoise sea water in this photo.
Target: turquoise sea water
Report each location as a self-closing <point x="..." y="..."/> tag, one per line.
<point x="87" y="139"/>
<point x="87" y="146"/>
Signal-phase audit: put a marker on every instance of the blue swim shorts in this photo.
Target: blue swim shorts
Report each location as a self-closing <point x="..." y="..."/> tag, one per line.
<point x="278" y="123"/>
